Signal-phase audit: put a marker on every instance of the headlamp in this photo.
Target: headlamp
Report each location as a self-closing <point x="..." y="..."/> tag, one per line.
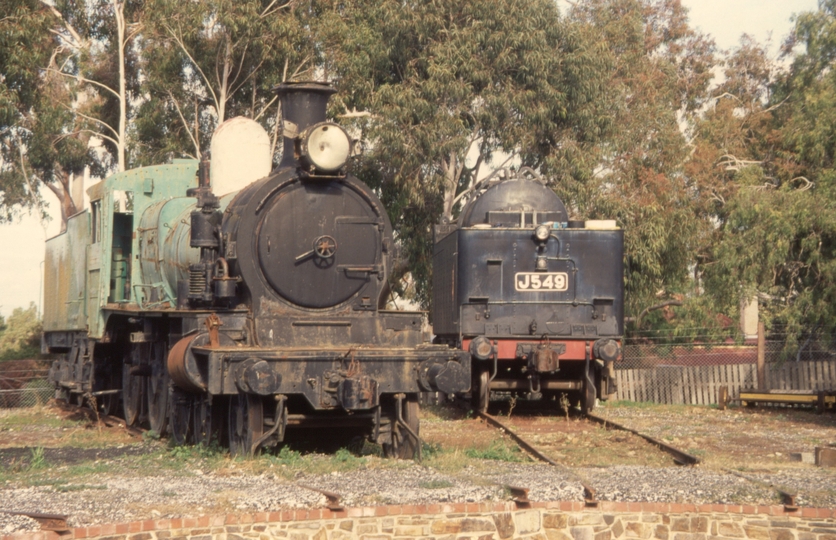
<point x="325" y="146"/>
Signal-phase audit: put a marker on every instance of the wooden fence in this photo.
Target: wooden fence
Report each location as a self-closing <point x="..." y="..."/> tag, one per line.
<point x="698" y="385"/>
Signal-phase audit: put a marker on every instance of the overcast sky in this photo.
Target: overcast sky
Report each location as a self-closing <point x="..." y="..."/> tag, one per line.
<point x="22" y="244"/>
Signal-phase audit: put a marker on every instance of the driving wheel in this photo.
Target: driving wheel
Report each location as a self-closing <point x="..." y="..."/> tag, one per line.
<point x="132" y="394"/>
<point x="180" y="416"/>
<point x="246" y="424"/>
<point x="157" y="390"/>
<point x="404" y="445"/>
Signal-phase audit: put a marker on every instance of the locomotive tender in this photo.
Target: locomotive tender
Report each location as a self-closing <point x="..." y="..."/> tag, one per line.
<point x="242" y="316"/>
<point x="535" y="298"/>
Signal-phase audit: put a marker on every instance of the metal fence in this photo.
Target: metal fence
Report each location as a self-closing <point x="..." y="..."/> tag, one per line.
<point x="24" y="387"/>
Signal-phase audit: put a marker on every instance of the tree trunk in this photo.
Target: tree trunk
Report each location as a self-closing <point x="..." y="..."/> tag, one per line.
<point x="61" y="190"/>
<point x="119" y="14"/>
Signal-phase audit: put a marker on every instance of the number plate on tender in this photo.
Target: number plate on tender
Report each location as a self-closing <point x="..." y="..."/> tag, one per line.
<point x="541" y="281"/>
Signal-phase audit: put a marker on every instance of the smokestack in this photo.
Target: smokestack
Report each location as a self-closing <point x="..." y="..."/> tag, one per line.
<point x="303" y="105"/>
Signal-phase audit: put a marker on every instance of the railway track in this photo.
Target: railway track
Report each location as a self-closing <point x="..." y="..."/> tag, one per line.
<point x="680" y="457"/>
<point x="519" y="494"/>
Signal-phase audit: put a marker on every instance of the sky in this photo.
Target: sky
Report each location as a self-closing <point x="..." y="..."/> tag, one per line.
<point x="22" y="242"/>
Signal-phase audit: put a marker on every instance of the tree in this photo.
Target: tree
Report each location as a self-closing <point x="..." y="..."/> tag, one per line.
<point x="40" y="141"/>
<point x="444" y="90"/>
<point x="20" y="336"/>
<point x="776" y="220"/>
<point x="204" y="62"/>
<point x="662" y="71"/>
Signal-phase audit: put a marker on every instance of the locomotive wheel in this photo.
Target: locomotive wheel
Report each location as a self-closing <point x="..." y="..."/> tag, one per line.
<point x="587" y="396"/>
<point x="108" y="403"/>
<point x="403" y="445"/>
<point x="132" y="395"/>
<point x="246" y="424"/>
<point x="482" y="391"/>
<point x="157" y="392"/>
<point x="180" y="416"/>
<point x="205" y="421"/>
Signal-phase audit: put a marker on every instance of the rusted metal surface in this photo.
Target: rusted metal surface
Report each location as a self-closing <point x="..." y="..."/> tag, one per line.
<point x="177" y="359"/>
<point x="519" y="440"/>
<point x="825" y="457"/>
<point x="49" y="522"/>
<point x="519" y="495"/>
<point x="333" y="499"/>
<point x="787" y="497"/>
<point x="213" y="324"/>
<point x="680" y="457"/>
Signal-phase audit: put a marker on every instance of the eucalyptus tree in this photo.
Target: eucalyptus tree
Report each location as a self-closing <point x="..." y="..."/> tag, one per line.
<point x="443" y="91"/>
<point x="42" y="142"/>
<point x="207" y="61"/>
<point x="662" y="69"/>
<point x="775" y="201"/>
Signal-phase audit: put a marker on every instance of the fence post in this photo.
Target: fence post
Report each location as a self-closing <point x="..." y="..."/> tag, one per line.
<point x="761" y="357"/>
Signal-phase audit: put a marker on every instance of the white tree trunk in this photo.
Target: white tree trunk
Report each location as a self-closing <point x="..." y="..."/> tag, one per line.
<point x="119" y="14"/>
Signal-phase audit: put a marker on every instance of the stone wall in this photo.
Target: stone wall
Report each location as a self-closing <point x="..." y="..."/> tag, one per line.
<point x="484" y="521"/>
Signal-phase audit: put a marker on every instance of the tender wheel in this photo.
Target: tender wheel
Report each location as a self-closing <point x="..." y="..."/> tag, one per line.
<point x="180" y="416"/>
<point x="404" y="445"/>
<point x="481" y="391"/>
<point x="157" y="391"/>
<point x="132" y="395"/>
<point x="246" y="424"/>
<point x="588" y="395"/>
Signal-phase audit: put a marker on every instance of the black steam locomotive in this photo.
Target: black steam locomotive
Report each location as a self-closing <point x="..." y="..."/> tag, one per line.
<point x="535" y="298"/>
<point x="240" y="317"/>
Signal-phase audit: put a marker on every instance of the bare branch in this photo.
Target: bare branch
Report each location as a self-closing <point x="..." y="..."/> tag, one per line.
<point x="194" y="63"/>
<point x="647" y="310"/>
<point x="807" y="184"/>
<point x="96" y="120"/>
<point x="79" y="43"/>
<point x="264" y="109"/>
<point x="185" y="123"/>
<point x="100" y="134"/>
<point x="354" y="113"/>
<point x="267" y="11"/>
<point x="85" y="80"/>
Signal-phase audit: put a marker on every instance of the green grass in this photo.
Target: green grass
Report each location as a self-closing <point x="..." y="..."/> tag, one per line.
<point x="37" y="460"/>
<point x="42" y="417"/>
<point x="498" y="450"/>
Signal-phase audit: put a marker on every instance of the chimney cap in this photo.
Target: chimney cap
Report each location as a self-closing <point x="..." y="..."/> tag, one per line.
<point x="309" y="86"/>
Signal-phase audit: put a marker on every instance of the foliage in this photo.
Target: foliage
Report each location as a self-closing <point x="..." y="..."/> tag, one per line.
<point x="204" y="62"/>
<point x="20" y="334"/>
<point x="764" y="161"/>
<point x="40" y="141"/>
<point x="441" y="90"/>
<point x="662" y="70"/>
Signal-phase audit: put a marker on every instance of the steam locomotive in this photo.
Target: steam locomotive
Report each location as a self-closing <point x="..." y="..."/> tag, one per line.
<point x="537" y="299"/>
<point x="212" y="303"/>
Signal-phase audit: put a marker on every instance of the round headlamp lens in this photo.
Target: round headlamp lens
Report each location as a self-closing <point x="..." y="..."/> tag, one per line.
<point x="327" y="147"/>
<point x="541" y="232"/>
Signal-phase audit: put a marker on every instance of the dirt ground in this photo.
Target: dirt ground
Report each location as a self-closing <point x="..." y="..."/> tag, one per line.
<point x="59" y="460"/>
<point x="741" y="438"/>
